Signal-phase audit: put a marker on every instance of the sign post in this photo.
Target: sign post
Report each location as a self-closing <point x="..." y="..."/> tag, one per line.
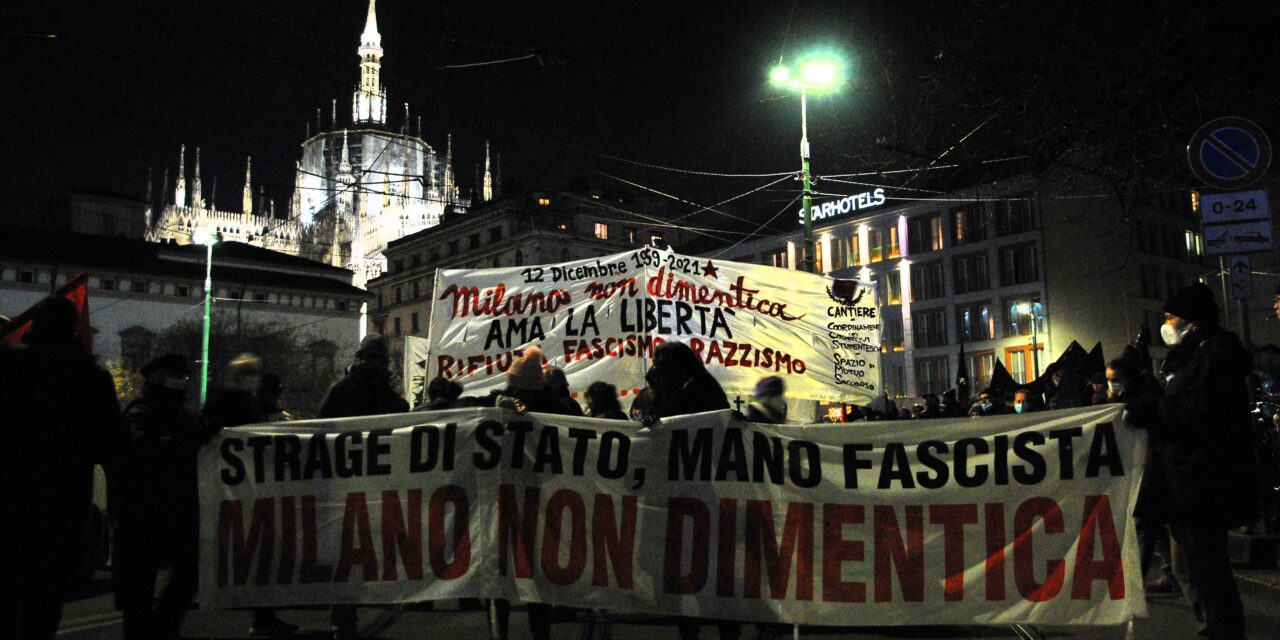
<point x="1232" y="153"/>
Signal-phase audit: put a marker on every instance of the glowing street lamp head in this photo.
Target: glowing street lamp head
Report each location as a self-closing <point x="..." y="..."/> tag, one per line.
<point x="813" y="73"/>
<point x="203" y="237"/>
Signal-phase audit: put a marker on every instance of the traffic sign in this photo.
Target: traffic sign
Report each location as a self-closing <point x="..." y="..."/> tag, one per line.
<point x="1229" y="153"/>
<point x="1240" y="237"/>
<point x="1241" y="277"/>
<point x="1217" y="208"/>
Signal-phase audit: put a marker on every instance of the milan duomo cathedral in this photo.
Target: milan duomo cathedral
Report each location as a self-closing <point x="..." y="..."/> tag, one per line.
<point x="356" y="188"/>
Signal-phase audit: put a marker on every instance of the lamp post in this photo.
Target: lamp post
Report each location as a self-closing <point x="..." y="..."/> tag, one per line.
<point x="202" y="236"/>
<point x="814" y="73"/>
<point x="1033" y="311"/>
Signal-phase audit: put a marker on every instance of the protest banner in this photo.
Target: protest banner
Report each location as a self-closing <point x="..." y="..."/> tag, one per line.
<point x="600" y="319"/>
<point x="1019" y="518"/>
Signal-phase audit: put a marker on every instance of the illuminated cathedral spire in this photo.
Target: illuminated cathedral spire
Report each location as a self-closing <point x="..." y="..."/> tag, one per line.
<point x="180" y="191"/>
<point x="247" y="203"/>
<point x="369" y="103"/>
<point x="450" y="185"/>
<point x="197" y="198"/>
<point x="487" y="194"/>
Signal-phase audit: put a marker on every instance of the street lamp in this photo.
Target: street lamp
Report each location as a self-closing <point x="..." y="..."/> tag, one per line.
<point x="814" y="73"/>
<point x="1034" y="311"/>
<point x="204" y="237"/>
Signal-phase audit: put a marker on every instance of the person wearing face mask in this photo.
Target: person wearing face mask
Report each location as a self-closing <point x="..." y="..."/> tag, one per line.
<point x="1202" y="472"/>
<point x="990" y="403"/>
<point x="1024" y="401"/>
<point x="154" y="502"/>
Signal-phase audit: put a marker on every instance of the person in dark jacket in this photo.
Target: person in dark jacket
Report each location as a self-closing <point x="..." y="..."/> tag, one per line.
<point x="60" y="417"/>
<point x="365" y="391"/>
<point x="768" y="401"/>
<point x="234" y="404"/>
<point x="681" y="386"/>
<point x="990" y="403"/>
<point x="155" y="504"/>
<point x="1128" y="382"/>
<point x="444" y="393"/>
<point x="602" y="401"/>
<point x="1203" y="477"/>
<point x="266" y="400"/>
<point x="558" y="388"/>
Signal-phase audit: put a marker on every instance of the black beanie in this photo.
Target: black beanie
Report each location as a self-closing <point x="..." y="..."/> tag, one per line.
<point x="1194" y="304"/>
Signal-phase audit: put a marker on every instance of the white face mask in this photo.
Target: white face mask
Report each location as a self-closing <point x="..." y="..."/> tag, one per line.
<point x="1172" y="334"/>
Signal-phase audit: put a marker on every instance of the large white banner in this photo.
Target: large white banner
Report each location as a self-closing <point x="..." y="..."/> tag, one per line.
<point x="600" y="319"/>
<point x="1019" y="518"/>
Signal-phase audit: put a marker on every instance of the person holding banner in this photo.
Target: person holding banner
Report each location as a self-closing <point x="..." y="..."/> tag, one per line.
<point x="602" y="401"/>
<point x="1203" y="479"/>
<point x="154" y="502"/>
<point x="61" y="417"/>
<point x="681" y="386"/>
<point x="527" y="390"/>
<point x="365" y="391"/>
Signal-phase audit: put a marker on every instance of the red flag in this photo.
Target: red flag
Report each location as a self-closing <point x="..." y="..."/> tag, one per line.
<point x="77" y="291"/>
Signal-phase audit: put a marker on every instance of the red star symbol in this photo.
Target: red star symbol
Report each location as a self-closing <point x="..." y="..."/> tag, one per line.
<point x="711" y="271"/>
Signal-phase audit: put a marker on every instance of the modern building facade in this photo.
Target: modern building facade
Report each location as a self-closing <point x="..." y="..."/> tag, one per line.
<point x="1012" y="271"/>
<point x="360" y="183"/>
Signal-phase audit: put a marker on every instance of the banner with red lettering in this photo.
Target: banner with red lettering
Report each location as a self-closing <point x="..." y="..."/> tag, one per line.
<point x="1019" y="518"/>
<point x="600" y="318"/>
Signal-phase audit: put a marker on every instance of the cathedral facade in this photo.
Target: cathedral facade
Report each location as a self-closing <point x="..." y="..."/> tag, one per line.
<point x="356" y="188"/>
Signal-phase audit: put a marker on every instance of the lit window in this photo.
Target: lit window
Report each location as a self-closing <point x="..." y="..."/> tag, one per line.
<point x="602" y="231"/>
<point x="544" y="202"/>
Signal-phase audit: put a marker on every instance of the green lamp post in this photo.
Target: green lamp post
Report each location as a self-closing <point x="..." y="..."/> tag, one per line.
<point x="203" y="237"/>
<point x="812" y="74"/>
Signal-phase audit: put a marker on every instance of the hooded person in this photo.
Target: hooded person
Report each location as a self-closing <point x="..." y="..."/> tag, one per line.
<point x="154" y="501"/>
<point x="1201" y="477"/>
<point x="558" y="388"/>
<point x="682" y="386"/>
<point x="602" y="401"/>
<point x="768" y="402"/>
<point x="366" y="390"/>
<point x="60" y="416"/>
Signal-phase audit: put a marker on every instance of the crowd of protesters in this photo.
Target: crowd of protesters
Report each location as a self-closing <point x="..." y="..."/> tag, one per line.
<point x="1198" y="484"/>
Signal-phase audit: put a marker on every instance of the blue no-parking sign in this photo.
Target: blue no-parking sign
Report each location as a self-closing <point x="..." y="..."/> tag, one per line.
<point x="1229" y="153"/>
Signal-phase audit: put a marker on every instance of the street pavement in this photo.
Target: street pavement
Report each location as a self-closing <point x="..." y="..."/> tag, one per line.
<point x="91" y="616"/>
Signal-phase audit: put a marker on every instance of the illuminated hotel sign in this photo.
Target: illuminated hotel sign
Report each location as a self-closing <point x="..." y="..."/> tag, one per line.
<point x="846" y="205"/>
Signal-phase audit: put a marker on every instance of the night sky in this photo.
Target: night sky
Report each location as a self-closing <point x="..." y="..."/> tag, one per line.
<point x="676" y="84"/>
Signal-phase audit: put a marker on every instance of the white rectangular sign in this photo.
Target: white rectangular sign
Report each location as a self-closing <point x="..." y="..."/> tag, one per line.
<point x="601" y="318"/>
<point x="1008" y="519"/>
<point x="1240" y="237"/>
<point x="1216" y="208"/>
